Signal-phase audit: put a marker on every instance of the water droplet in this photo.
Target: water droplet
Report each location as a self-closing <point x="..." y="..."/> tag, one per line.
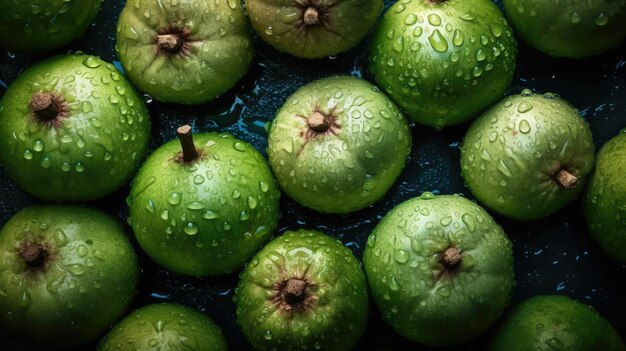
<point x="438" y="42"/>
<point x="244" y="215"/>
<point x="195" y="205"/>
<point x="267" y="335"/>
<point x="191" y="228"/>
<point x="209" y="215"/>
<point x="524" y="107"/>
<point x="410" y="19"/>
<point x="458" y="38"/>
<point x="401" y="256"/>
<point x="469" y="222"/>
<point x="602" y="19"/>
<point x="38" y="145"/>
<point x="91" y="62"/>
<point x="174" y="198"/>
<point x="434" y="19"/>
<point x="574" y="17"/>
<point x="28" y="154"/>
<point x="79" y="167"/>
<point x="264" y="186"/>
<point x="524" y="126"/>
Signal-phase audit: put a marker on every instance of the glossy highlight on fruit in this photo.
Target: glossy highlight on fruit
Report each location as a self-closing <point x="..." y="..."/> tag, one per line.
<point x="528" y="156"/>
<point x="206" y="208"/>
<point x="605" y="198"/>
<point x="572" y="29"/>
<point x="303" y="291"/>
<point x="72" y="128"/>
<point x="443" y="61"/>
<point x="186" y="52"/>
<point x="40" y="25"/>
<point x="440" y="269"/>
<point x="313" y="28"/>
<point x="338" y="138"/>
<point x="547" y="323"/>
<point x="165" y="326"/>
<point x="66" y="274"/>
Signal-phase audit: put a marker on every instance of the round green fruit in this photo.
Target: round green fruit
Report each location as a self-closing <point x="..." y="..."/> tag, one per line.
<point x="66" y="274"/>
<point x="443" y="61"/>
<point x="572" y="29"/>
<point x="72" y="129"/>
<point x="338" y="138"/>
<point x="440" y="269"/>
<point x="303" y="291"/>
<point x="41" y="25"/>
<point x="605" y="199"/>
<point x="528" y="156"/>
<point x="313" y="29"/>
<point x="165" y="326"/>
<point x="186" y="52"/>
<point x="547" y="323"/>
<point x="205" y="209"/>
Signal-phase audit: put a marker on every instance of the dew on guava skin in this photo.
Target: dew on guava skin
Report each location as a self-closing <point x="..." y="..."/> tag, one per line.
<point x="602" y="19"/>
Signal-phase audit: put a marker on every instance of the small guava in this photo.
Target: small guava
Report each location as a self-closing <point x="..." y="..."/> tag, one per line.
<point x="547" y="323"/>
<point x="205" y="208"/>
<point x="166" y="327"/>
<point x="67" y="274"/>
<point x="443" y="61"/>
<point x="313" y="28"/>
<point x="72" y="128"/>
<point x="338" y="144"/>
<point x="440" y="269"/>
<point x="572" y="29"/>
<point x="41" y="25"/>
<point x="528" y="156"/>
<point x="605" y="198"/>
<point x="186" y="52"/>
<point x="303" y="291"/>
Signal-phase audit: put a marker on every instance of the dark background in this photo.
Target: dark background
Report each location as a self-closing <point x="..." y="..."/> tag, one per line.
<point x="552" y="256"/>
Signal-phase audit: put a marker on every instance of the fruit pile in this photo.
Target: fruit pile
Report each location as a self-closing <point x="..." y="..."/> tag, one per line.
<point x="210" y="208"/>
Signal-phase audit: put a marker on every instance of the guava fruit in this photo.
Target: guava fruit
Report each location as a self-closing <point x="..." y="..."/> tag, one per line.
<point x="66" y="274"/>
<point x="547" y="323"/>
<point x="440" y="269"/>
<point x="443" y="61"/>
<point x="187" y="52"/>
<point x="313" y="28"/>
<point x="605" y="198"/>
<point x="304" y="290"/>
<point x="72" y="129"/>
<point x="338" y="138"/>
<point x="572" y="29"/>
<point x="528" y="156"/>
<point x="165" y="326"/>
<point x="40" y="25"/>
<point x="206" y="208"/>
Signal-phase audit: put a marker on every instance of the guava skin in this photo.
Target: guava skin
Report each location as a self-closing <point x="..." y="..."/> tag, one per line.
<point x="82" y="278"/>
<point x="605" y="198"/>
<point x="303" y="291"/>
<point x="86" y="144"/>
<point x="338" y="138"/>
<point x="443" y="62"/>
<point x="313" y="28"/>
<point x="209" y="216"/>
<point x="31" y="26"/>
<point x="165" y="326"/>
<point x="572" y="28"/>
<point x="547" y="323"/>
<point x="422" y="294"/>
<point x="186" y="52"/>
<point x="513" y="154"/>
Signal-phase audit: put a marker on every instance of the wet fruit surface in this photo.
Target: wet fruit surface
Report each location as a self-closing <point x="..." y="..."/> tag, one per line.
<point x="443" y="62"/>
<point x="338" y="137"/>
<point x="555" y="255"/>
<point x="302" y="291"/>
<point x="440" y="269"/>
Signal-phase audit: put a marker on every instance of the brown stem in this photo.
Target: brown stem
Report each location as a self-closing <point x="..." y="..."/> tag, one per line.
<point x="34" y="254"/>
<point x="294" y="292"/>
<point x="566" y="179"/>
<point x="44" y="107"/>
<point x="452" y="258"/>
<point x="170" y="43"/>
<point x="185" y="136"/>
<point x="311" y="16"/>
<point x="318" y="122"/>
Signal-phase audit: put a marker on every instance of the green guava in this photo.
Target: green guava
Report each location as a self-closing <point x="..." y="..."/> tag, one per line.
<point x="205" y="209"/>
<point x="605" y="198"/>
<point x="72" y="129"/>
<point x="528" y="156"/>
<point x="573" y="28"/>
<point x="443" y="61"/>
<point x="313" y="28"/>
<point x="67" y="274"/>
<point x="167" y="327"/>
<point x="338" y="138"/>
<point x="548" y="323"/>
<point x="41" y="25"/>
<point x="440" y="269"/>
<point x="187" y="52"/>
<point x="303" y="291"/>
